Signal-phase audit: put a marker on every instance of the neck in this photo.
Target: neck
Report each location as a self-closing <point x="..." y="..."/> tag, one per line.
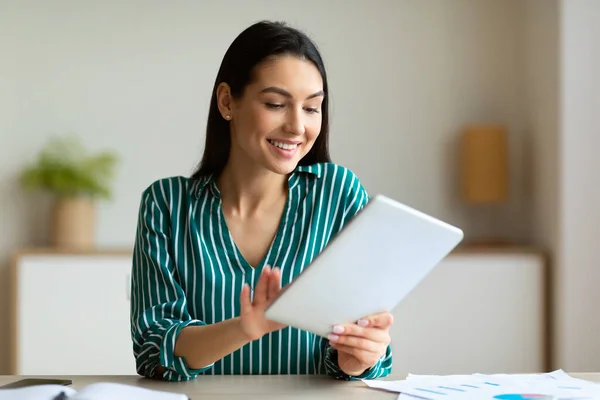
<point x="247" y="190"/>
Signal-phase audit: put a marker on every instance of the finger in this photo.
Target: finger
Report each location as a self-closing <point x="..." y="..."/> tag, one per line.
<point x="381" y="320"/>
<point x="365" y="358"/>
<point x="374" y="334"/>
<point x="358" y="353"/>
<point x="246" y="305"/>
<point x="260" y="292"/>
<point x="274" y="283"/>
<point x="361" y="343"/>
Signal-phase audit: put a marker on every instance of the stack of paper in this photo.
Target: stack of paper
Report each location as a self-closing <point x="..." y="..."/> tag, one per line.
<point x="556" y="385"/>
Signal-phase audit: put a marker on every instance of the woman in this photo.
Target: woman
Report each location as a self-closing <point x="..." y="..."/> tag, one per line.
<point x="265" y="194"/>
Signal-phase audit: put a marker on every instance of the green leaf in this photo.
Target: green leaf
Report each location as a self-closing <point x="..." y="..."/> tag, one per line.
<point x="64" y="168"/>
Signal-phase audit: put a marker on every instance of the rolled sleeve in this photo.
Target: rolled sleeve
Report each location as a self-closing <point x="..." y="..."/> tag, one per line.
<point x="382" y="368"/>
<point x="158" y="304"/>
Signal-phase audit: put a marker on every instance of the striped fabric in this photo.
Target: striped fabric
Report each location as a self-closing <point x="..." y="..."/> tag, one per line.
<point x="188" y="271"/>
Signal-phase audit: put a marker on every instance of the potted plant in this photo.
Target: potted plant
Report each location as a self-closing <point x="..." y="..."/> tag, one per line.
<point x="76" y="180"/>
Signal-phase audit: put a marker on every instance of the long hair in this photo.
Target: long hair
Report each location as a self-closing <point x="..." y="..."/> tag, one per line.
<point x="255" y="44"/>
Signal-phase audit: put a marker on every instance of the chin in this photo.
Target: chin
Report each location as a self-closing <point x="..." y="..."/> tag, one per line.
<point x="283" y="168"/>
<point x="282" y="164"/>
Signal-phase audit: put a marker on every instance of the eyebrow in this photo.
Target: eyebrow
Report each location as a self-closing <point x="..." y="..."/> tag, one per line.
<point x="274" y="89"/>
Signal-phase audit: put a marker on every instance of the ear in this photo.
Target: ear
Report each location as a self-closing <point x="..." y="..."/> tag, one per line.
<point x="225" y="100"/>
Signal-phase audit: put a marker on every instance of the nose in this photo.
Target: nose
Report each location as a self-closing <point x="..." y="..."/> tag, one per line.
<point x="295" y="122"/>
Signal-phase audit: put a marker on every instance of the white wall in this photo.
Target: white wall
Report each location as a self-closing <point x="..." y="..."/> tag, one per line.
<point x="136" y="76"/>
<point x="578" y="275"/>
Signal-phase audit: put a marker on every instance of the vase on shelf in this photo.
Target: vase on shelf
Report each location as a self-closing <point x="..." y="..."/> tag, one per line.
<point x="73" y="223"/>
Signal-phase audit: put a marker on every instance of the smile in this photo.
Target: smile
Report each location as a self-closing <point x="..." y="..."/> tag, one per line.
<point x="284" y="146"/>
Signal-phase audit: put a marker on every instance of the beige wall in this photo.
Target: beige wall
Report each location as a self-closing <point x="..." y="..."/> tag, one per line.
<point x="541" y="93"/>
<point x="563" y="98"/>
<point x="578" y="258"/>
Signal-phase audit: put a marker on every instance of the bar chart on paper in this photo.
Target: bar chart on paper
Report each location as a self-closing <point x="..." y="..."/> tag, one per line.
<point x="552" y="386"/>
<point x="524" y="397"/>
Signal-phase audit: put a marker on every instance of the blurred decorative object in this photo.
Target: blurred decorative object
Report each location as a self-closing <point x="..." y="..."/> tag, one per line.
<point x="485" y="172"/>
<point x="73" y="222"/>
<point x="485" y="164"/>
<point x="76" y="179"/>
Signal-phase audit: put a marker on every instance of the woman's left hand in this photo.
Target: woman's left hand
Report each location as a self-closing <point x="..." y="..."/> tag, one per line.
<point x="362" y="344"/>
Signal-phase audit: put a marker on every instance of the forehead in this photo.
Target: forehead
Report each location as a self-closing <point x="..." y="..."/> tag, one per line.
<point x="297" y="76"/>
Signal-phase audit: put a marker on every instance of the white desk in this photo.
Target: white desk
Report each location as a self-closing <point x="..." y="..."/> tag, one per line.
<point x="253" y="387"/>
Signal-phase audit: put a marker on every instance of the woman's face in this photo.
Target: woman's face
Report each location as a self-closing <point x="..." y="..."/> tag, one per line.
<point x="278" y="117"/>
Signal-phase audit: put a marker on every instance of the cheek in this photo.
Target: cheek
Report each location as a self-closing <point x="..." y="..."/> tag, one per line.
<point x="313" y="128"/>
<point x="260" y="122"/>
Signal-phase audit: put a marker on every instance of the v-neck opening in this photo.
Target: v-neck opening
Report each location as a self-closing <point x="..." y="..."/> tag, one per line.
<point x="246" y="266"/>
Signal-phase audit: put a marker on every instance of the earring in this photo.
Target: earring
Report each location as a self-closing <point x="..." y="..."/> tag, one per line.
<point x="227" y="117"/>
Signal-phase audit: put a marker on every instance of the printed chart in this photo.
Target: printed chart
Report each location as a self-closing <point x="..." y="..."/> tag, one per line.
<point x="552" y="386"/>
<point x="523" y="397"/>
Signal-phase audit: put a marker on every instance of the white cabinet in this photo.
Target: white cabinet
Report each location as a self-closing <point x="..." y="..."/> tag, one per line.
<point x="71" y="314"/>
<point x="479" y="311"/>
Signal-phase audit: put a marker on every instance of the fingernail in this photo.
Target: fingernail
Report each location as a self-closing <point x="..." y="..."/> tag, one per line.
<point x="333" y="337"/>
<point x="338" y="329"/>
<point x="363" y="322"/>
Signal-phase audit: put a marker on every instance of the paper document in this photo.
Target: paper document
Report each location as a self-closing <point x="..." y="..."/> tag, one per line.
<point x="556" y="385"/>
<point x="96" y="391"/>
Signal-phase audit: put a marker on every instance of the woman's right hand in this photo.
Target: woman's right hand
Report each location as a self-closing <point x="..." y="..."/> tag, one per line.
<point x="252" y="318"/>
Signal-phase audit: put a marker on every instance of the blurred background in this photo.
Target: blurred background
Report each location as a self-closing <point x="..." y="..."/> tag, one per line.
<point x="482" y="113"/>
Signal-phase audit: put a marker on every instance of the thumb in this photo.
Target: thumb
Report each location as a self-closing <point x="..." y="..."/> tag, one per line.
<point x="245" y="303"/>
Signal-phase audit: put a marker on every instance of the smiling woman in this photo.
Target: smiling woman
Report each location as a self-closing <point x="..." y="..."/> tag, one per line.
<point x="277" y="119"/>
<point x="263" y="203"/>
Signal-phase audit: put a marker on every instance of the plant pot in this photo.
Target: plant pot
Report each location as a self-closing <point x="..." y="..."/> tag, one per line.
<point x="73" y="223"/>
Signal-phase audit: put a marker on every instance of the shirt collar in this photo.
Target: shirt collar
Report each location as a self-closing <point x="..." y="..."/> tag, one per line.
<point x="315" y="169"/>
<point x="208" y="182"/>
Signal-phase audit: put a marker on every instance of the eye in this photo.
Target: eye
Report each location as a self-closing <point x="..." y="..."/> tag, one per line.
<point x="312" y="110"/>
<point x="274" y="106"/>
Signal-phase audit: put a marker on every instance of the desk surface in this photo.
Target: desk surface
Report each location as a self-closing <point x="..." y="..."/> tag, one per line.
<point x="252" y="387"/>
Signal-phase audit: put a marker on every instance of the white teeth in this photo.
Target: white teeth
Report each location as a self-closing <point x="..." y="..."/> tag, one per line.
<point x="284" y="146"/>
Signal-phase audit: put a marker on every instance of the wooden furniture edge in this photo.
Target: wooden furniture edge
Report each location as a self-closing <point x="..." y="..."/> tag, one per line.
<point x="14" y="332"/>
<point x="468" y="248"/>
<point x="25" y="251"/>
<point x="548" y="299"/>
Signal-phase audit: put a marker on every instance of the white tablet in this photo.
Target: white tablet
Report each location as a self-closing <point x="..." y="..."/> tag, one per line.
<point x="378" y="258"/>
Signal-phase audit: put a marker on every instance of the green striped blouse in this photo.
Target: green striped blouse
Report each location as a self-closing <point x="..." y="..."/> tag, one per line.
<point x="188" y="271"/>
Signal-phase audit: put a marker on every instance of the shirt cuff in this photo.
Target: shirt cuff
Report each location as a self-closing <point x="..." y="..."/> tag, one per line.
<point x="167" y="352"/>
<point x="333" y="369"/>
